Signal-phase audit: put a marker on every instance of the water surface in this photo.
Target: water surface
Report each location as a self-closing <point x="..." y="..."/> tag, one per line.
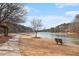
<point x="65" y="37"/>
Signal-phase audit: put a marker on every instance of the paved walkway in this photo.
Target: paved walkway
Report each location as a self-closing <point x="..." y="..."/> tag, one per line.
<point x="10" y="48"/>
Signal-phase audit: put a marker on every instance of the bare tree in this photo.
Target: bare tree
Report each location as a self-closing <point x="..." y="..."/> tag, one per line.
<point x="36" y="25"/>
<point x="10" y="12"/>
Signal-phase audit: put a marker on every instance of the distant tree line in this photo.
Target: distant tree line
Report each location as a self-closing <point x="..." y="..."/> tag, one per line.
<point x="74" y="26"/>
<point x="66" y="27"/>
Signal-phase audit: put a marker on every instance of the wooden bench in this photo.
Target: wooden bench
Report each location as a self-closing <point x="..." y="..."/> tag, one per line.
<point x="58" y="40"/>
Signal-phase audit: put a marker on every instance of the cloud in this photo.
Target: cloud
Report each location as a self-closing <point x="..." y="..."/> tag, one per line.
<point x="30" y="9"/>
<point x="72" y="13"/>
<point x="49" y="21"/>
<point x="61" y="5"/>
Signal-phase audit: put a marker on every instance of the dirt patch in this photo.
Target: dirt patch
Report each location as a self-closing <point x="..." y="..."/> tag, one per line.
<point x="45" y="47"/>
<point x="4" y="39"/>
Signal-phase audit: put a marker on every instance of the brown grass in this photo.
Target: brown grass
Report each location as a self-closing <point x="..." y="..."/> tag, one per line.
<point x="44" y="47"/>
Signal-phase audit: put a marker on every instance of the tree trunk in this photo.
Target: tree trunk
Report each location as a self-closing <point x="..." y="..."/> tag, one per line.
<point x="36" y="34"/>
<point x="6" y="31"/>
<point x="5" y="28"/>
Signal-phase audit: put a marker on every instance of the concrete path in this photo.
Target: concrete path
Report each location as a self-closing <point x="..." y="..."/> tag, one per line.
<point x="10" y="48"/>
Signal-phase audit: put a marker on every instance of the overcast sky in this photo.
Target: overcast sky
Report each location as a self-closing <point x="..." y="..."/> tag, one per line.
<point x="51" y="14"/>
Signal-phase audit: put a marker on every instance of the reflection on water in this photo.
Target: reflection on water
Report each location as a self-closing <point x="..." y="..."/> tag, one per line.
<point x="65" y="37"/>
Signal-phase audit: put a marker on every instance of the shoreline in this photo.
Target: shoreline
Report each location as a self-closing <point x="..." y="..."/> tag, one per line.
<point x="25" y="35"/>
